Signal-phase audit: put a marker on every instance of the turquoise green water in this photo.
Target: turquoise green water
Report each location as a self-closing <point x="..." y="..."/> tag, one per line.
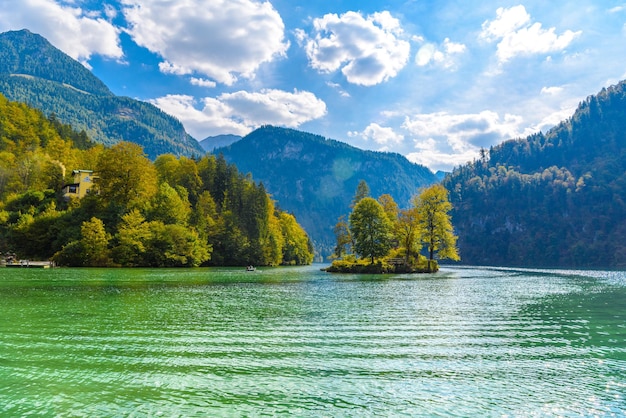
<point x="301" y="342"/>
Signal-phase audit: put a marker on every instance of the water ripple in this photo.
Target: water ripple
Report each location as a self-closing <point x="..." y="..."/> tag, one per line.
<point x="469" y="342"/>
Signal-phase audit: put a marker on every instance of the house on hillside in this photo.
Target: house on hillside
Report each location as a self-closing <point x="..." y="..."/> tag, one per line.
<point x="84" y="183"/>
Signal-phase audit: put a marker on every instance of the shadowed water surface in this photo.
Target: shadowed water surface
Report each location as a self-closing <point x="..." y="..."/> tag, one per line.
<point x="298" y="341"/>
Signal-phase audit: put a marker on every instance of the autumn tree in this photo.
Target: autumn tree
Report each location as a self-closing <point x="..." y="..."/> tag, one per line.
<point x="408" y="232"/>
<point x="297" y="246"/>
<point x="371" y="229"/>
<point x="390" y="207"/>
<point x="127" y="178"/>
<point x="437" y="233"/>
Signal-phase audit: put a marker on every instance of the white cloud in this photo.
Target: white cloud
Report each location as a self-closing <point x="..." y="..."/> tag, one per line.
<point x="202" y="82"/>
<point x="369" y="50"/>
<point x="553" y="119"/>
<point x="214" y="119"/>
<point x="275" y="107"/>
<point x="507" y="21"/>
<point x="339" y="89"/>
<point x="551" y="91"/>
<point x="429" y="156"/>
<point x="77" y="32"/>
<point x="221" y="39"/>
<point x="240" y="112"/>
<point x="444" y="57"/>
<point x="516" y="35"/>
<point x="381" y="135"/>
<point x="444" y="140"/>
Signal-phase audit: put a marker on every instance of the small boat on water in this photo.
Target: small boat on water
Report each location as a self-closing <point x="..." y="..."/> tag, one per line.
<point x="250" y="268"/>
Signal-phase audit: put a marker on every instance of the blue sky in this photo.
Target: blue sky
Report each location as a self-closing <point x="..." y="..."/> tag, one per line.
<point x="432" y="80"/>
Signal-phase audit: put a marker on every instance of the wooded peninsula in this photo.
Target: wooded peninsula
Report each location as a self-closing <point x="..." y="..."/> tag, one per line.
<point x="65" y="198"/>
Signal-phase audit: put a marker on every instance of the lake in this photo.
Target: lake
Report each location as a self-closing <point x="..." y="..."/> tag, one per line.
<point x="302" y="342"/>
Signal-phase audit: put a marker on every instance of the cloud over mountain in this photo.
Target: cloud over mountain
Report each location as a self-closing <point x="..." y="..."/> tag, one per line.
<point x="242" y="111"/>
<point x="78" y="32"/>
<point x="350" y="70"/>
<point x="453" y="139"/>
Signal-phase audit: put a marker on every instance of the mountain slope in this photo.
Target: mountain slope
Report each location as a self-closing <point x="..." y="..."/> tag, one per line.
<point x="35" y="72"/>
<point x="212" y="142"/>
<point x="316" y="178"/>
<point x="556" y="199"/>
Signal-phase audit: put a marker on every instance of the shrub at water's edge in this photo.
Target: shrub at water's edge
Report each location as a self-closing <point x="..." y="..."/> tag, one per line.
<point x="381" y="238"/>
<point x="387" y="265"/>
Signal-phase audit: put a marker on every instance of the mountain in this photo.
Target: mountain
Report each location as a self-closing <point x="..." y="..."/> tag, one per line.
<point x="552" y="200"/>
<point x="35" y="72"/>
<point x="212" y="142"/>
<point x="315" y="178"/>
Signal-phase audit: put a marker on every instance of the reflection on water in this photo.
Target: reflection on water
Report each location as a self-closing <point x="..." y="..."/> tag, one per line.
<point x="298" y="341"/>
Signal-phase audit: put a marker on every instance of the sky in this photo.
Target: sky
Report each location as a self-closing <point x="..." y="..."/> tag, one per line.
<point x="435" y="81"/>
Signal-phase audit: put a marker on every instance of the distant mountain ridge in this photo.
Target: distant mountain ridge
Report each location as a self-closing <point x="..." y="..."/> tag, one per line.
<point x="315" y="178"/>
<point x="35" y="72"/>
<point x="212" y="142"/>
<point x="552" y="200"/>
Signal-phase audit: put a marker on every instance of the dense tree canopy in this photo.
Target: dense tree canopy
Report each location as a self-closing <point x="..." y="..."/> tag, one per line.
<point x="177" y="211"/>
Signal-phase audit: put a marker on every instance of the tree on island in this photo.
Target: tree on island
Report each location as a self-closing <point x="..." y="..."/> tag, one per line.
<point x="434" y="221"/>
<point x="371" y="228"/>
<point x="380" y="230"/>
<point x="345" y="243"/>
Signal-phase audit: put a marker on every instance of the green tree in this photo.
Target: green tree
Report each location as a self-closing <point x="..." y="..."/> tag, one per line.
<point x="345" y="243"/>
<point x="170" y="205"/>
<point x="180" y="171"/>
<point x="371" y="229"/>
<point x="362" y="191"/>
<point x="435" y="224"/>
<point x="174" y="246"/>
<point x="95" y="243"/>
<point x="132" y="237"/>
<point x="204" y="216"/>
<point x="408" y="231"/>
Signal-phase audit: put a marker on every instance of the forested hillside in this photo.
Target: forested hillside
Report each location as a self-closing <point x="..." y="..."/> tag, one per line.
<point x="553" y="199"/>
<point x="176" y="211"/>
<point x="33" y="71"/>
<point x="315" y="178"/>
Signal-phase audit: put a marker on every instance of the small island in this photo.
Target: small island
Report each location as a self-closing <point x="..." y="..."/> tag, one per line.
<point x="380" y="238"/>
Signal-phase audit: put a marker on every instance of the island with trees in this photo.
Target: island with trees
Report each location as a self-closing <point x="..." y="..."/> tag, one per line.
<point x="379" y="237"/>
